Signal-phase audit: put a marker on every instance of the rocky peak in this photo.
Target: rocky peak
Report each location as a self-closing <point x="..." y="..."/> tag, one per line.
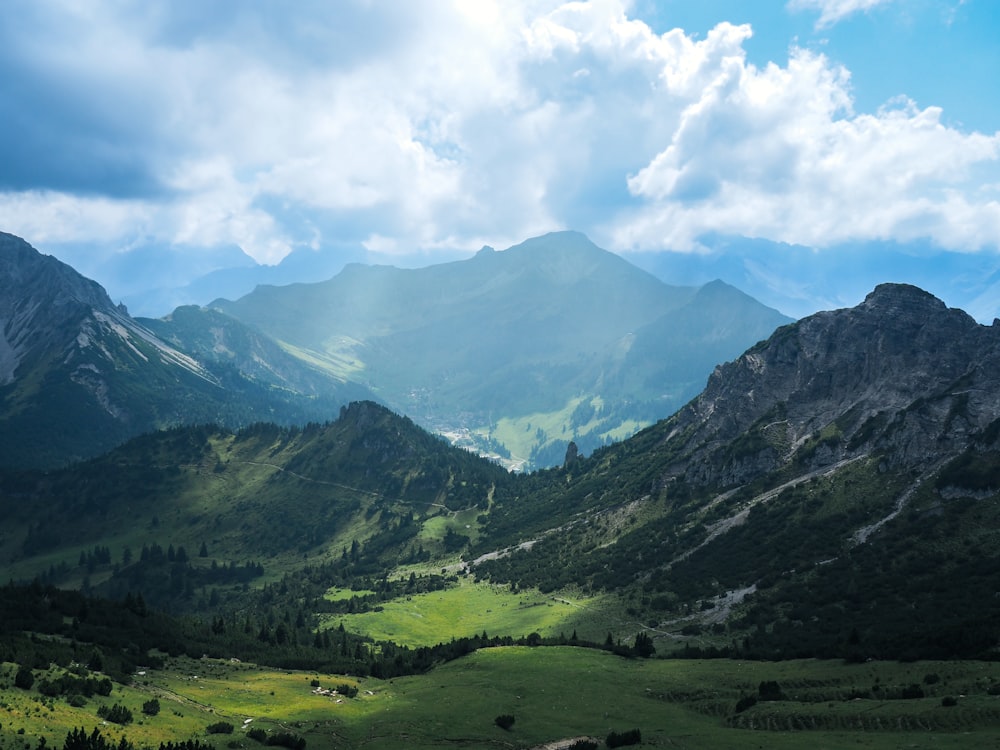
<point x="28" y="278"/>
<point x="899" y="372"/>
<point x="901" y="300"/>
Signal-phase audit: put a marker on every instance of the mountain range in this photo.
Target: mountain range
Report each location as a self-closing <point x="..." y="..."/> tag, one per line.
<point x="831" y="492"/>
<point x="513" y="354"/>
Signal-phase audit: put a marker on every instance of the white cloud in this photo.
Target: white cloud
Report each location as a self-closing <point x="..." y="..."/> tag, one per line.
<point x="834" y="11"/>
<point x="422" y="125"/>
<point x="779" y="153"/>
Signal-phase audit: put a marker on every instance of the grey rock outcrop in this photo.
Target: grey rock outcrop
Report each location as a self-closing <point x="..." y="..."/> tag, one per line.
<point x="900" y="373"/>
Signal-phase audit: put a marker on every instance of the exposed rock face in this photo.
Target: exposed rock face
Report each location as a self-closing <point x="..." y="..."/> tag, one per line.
<point x="78" y="375"/>
<point x="41" y="299"/>
<point x="900" y="372"/>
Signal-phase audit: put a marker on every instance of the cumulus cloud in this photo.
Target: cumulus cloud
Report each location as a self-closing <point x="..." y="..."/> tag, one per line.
<point x="430" y="125"/>
<point x="780" y="153"/>
<point x="834" y="11"/>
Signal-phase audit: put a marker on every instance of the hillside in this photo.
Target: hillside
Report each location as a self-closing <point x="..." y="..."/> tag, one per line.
<point x="516" y="352"/>
<point x="366" y="484"/>
<point x="831" y="492"/>
<point x="79" y="375"/>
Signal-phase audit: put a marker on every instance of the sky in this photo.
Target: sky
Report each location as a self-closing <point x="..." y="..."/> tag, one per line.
<point x="428" y="128"/>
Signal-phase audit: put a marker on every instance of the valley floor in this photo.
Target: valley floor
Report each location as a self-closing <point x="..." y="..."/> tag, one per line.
<point x="553" y="693"/>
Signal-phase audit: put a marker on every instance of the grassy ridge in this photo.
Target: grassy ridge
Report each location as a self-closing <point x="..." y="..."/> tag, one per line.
<point x="553" y="693"/>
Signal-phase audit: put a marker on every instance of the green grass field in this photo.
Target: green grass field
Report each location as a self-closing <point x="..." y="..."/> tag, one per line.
<point x="471" y="608"/>
<point x="553" y="693"/>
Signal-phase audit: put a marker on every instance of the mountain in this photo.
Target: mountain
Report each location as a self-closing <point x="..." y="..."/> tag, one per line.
<point x="832" y="492"/>
<point x="516" y="352"/>
<point x="79" y="375"/>
<point x="192" y="274"/>
<point x="800" y="280"/>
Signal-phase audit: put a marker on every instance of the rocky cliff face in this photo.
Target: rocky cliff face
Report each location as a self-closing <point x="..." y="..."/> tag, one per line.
<point x="78" y="375"/>
<point x="900" y="373"/>
<point x="49" y="310"/>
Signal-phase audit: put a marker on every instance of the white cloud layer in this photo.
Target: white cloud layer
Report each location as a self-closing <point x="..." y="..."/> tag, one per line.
<point x="422" y="125"/>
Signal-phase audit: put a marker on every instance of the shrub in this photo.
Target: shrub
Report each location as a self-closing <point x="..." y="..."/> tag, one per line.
<point x="286" y="739"/>
<point x="24" y="678"/>
<point x="257" y="734"/>
<point x="151" y="707"/>
<point x="620" y="739"/>
<point x="504" y="721"/>
<point x="348" y="691"/>
<point x="221" y="727"/>
<point x="117" y="714"/>
<point x="948" y="701"/>
<point x="747" y="701"/>
<point x="913" y="691"/>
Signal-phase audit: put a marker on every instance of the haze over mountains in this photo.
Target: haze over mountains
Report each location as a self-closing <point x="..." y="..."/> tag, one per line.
<point x="517" y="352"/>
<point x="514" y="353"/>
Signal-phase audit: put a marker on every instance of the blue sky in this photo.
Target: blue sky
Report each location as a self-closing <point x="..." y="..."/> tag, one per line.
<point x="425" y="129"/>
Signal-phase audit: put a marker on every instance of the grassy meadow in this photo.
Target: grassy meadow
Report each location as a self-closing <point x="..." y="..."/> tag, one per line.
<point x="473" y="607"/>
<point x="553" y="693"/>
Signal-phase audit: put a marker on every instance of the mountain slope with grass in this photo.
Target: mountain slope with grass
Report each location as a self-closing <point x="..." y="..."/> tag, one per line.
<point x="832" y="491"/>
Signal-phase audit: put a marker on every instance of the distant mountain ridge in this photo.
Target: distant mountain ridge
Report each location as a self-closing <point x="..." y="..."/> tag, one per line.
<point x="78" y="375"/>
<point x="518" y="351"/>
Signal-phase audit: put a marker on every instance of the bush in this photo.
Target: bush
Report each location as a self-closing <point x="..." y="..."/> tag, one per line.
<point x="282" y="739"/>
<point x="24" y="678"/>
<point x="948" y="701"/>
<point x="747" y="701"/>
<point x="151" y="707"/>
<point x="504" y="721"/>
<point x="348" y="691"/>
<point x="620" y="739"/>
<point x="221" y="727"/>
<point x="913" y="691"/>
<point x="117" y="714"/>
<point x="286" y="739"/>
